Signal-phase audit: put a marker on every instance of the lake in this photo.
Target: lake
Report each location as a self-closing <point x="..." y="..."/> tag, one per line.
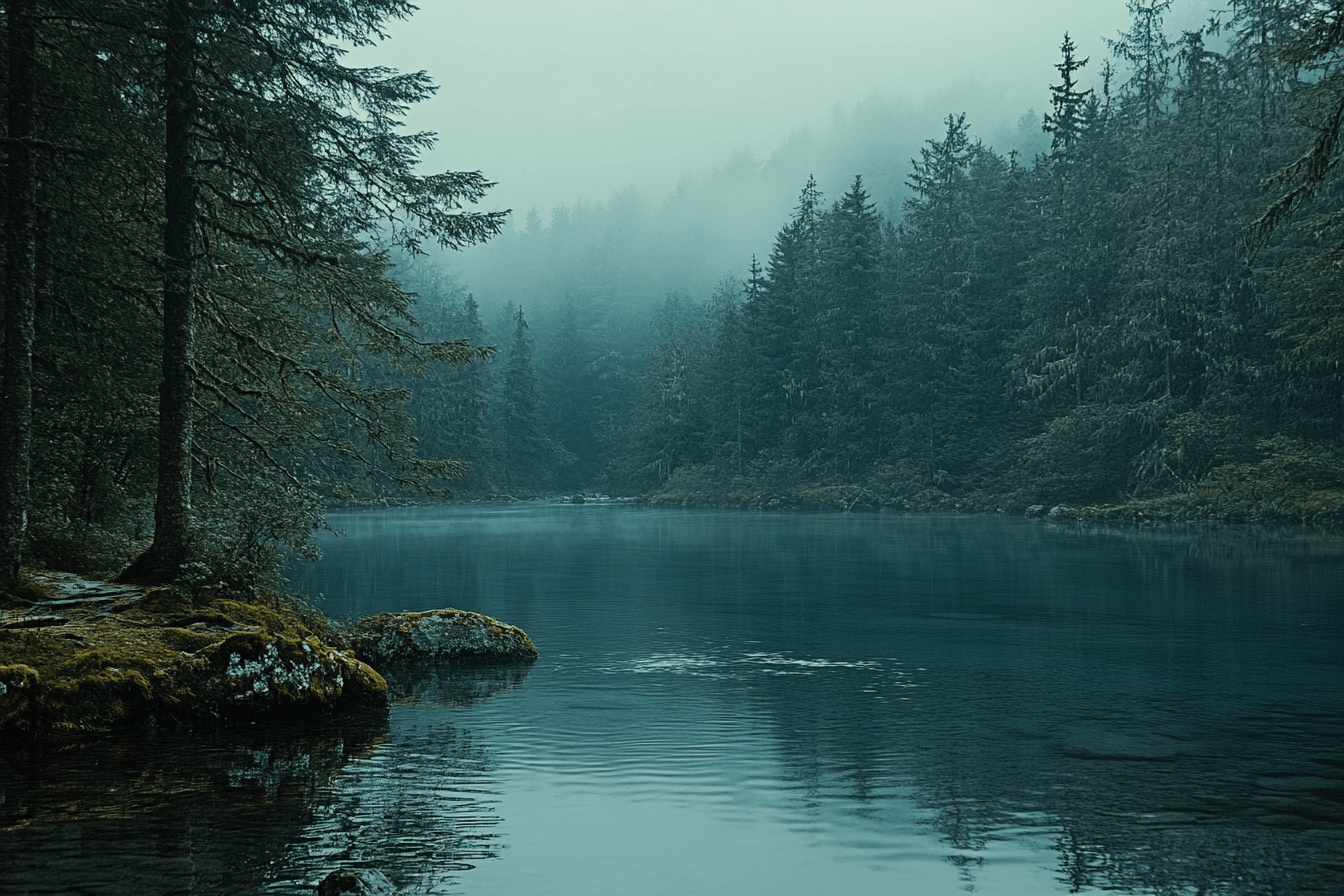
<point x="765" y="703"/>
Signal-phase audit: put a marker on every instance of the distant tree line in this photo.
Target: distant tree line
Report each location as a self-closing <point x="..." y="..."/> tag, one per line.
<point x="1130" y="315"/>
<point x="1147" y="309"/>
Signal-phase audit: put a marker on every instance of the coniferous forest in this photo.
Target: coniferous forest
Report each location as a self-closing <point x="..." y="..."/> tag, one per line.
<point x="1141" y="317"/>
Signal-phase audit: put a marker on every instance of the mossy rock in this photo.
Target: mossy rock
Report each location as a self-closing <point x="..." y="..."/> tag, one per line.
<point x="18" y="692"/>
<point x="259" y="672"/>
<point x="99" y="699"/>
<point x="169" y="657"/>
<point x="437" y="637"/>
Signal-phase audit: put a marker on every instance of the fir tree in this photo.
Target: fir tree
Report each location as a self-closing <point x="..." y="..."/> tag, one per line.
<point x="1147" y="50"/>
<point x="527" y="456"/>
<point x="1068" y="122"/>
<point x="264" y="157"/>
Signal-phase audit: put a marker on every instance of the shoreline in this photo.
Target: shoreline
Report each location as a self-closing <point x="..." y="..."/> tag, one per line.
<point x="80" y="655"/>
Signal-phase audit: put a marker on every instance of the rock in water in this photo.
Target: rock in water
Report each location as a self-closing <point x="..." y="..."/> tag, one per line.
<point x="360" y="882"/>
<point x="438" y="637"/>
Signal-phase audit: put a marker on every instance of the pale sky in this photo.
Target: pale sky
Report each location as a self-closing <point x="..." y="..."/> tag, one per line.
<point x="562" y="100"/>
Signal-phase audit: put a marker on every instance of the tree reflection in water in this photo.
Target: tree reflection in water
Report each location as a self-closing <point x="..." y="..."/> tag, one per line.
<point x="253" y="808"/>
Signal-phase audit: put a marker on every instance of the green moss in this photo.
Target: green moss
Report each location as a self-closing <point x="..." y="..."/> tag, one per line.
<point x="39" y="648"/>
<point x="94" y="700"/>
<point x="18" y="692"/>
<point x="168" y="656"/>
<point x="159" y="602"/>
<point x="26" y="593"/>
<point x="186" y="640"/>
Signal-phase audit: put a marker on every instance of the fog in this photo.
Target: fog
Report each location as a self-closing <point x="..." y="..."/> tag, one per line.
<point x="559" y="102"/>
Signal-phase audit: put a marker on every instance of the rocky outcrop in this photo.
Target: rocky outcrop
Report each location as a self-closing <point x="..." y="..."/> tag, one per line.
<point x="255" y="672"/>
<point x="84" y="658"/>
<point x="437" y="638"/>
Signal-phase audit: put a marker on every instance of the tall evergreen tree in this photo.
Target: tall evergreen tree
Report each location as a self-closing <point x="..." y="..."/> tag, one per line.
<point x="571" y="402"/>
<point x="667" y="427"/>
<point x="16" y="403"/>
<point x="264" y="155"/>
<point x="527" y="456"/>
<point x="1068" y="121"/>
<point x="172" y="507"/>
<point x="784" y="354"/>
<point x="450" y="402"/>
<point x="1147" y="50"/>
<point x="844" y="417"/>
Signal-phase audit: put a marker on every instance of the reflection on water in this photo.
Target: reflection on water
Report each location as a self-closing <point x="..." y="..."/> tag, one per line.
<point x="420" y="808"/>
<point x="155" y="812"/>
<point x="774" y="703"/>
<point x="454" y="687"/>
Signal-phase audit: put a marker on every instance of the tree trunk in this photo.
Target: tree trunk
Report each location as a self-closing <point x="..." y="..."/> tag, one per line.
<point x="16" y="405"/>
<point x="172" y="506"/>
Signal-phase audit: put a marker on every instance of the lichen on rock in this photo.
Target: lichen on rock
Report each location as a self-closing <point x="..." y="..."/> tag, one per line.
<point x="87" y="656"/>
<point x="255" y="671"/>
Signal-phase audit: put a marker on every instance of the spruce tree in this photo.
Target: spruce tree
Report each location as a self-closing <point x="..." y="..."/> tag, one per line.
<point x="783" y="351"/>
<point x="1068" y="121"/>
<point x="526" y="455"/>
<point x="843" y="421"/>
<point x="265" y="158"/>
<point x="1147" y="50"/>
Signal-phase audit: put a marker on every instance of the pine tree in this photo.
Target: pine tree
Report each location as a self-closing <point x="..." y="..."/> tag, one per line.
<point x="1147" y="50"/>
<point x="527" y="456"/>
<point x="571" y="402"/>
<point x="1068" y="123"/>
<point x="840" y="432"/>
<point x="666" y="428"/>
<point x="265" y="159"/>
<point x="1309" y="189"/>
<point x="1260" y="30"/>
<point x="450" y="402"/>
<point x="784" y="355"/>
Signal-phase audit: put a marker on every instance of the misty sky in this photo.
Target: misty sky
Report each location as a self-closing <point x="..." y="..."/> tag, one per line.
<point x="558" y="101"/>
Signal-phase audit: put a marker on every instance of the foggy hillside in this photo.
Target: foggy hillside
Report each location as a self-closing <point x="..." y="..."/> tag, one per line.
<point x="635" y="247"/>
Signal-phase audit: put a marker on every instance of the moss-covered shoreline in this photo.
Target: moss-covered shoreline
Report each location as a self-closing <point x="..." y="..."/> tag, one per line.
<point x="80" y="655"/>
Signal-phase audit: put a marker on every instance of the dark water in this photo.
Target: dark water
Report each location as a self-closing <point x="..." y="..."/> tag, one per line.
<point x="767" y="704"/>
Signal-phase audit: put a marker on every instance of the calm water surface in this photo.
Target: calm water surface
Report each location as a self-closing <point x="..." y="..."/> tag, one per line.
<point x="746" y="703"/>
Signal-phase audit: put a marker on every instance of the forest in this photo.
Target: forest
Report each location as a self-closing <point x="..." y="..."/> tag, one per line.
<point x="224" y="311"/>
<point x="1140" y="319"/>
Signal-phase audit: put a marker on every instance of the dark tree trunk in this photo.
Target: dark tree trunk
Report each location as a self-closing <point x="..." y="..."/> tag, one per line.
<point x="16" y="405"/>
<point x="172" y="507"/>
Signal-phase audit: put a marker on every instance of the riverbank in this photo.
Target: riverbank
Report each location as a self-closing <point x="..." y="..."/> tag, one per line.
<point x="1282" y="489"/>
<point x="80" y="655"/>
